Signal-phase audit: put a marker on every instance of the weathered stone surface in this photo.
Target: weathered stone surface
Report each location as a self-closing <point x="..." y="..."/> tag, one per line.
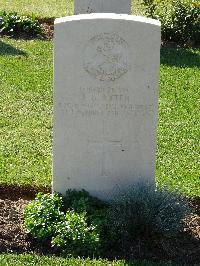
<point x="105" y="102"/>
<point x="102" y="6"/>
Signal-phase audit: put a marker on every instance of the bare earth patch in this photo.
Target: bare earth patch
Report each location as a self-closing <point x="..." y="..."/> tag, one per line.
<point x="47" y="27"/>
<point x="13" y="199"/>
<point x="12" y="234"/>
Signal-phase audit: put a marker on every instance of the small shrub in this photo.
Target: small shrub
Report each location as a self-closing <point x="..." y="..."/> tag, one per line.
<point x="12" y="23"/>
<point x="180" y="20"/>
<point x="42" y="215"/>
<point x="150" y="7"/>
<point x="68" y="233"/>
<point x="74" y="237"/>
<point x="81" y="225"/>
<point x="82" y="201"/>
<point x="142" y="212"/>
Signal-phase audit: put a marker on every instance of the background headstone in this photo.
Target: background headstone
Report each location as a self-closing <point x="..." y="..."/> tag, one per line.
<point x="105" y="102"/>
<point x="102" y="6"/>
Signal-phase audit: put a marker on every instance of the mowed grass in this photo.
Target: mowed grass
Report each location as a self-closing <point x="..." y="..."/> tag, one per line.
<point x="29" y="260"/>
<point x="178" y="149"/>
<point x="26" y="112"/>
<point x="26" y="116"/>
<point x="61" y="8"/>
<point x="44" y="8"/>
<point x="50" y="8"/>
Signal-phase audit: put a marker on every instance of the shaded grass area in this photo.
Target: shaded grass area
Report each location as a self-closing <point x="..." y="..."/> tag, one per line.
<point x="26" y="116"/>
<point x="51" y="8"/>
<point x="26" y="260"/>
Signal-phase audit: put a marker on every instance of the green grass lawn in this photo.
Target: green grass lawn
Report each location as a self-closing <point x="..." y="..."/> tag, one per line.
<point x="45" y="8"/>
<point x="49" y="8"/>
<point x="179" y="128"/>
<point x="26" y="115"/>
<point x="26" y="112"/>
<point x="30" y="260"/>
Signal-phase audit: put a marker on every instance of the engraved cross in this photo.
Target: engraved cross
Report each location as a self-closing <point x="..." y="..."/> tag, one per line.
<point x="105" y="148"/>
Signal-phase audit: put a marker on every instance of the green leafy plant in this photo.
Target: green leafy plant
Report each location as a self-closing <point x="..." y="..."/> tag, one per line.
<point x="69" y="233"/>
<point x="74" y="237"/>
<point x="82" y="201"/>
<point x="150" y="7"/>
<point x="95" y="210"/>
<point x="42" y="215"/>
<point x="180" y="20"/>
<point x="12" y="23"/>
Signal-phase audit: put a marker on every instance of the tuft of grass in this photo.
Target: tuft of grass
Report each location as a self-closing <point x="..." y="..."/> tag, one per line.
<point x="26" y="116"/>
<point x="29" y="260"/>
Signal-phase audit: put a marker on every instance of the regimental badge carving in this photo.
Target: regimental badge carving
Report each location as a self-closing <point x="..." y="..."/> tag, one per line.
<point x="106" y="57"/>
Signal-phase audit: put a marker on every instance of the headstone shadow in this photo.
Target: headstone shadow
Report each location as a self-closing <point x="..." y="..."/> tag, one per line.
<point x="180" y="57"/>
<point x="7" y="49"/>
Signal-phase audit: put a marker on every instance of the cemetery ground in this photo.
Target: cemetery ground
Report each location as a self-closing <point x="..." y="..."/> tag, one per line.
<point x="26" y="126"/>
<point x="26" y="134"/>
<point x="26" y="141"/>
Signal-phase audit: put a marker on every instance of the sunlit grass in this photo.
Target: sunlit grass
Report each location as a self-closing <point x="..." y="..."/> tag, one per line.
<point x="29" y="260"/>
<point x="46" y="8"/>
<point x="51" y="8"/>
<point x="179" y="127"/>
<point x="26" y="112"/>
<point x="26" y="116"/>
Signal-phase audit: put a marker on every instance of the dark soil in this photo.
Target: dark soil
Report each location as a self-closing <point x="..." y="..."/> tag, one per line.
<point x="13" y="199"/>
<point x="16" y="192"/>
<point x="185" y="248"/>
<point x="47" y="27"/>
<point x="12" y="235"/>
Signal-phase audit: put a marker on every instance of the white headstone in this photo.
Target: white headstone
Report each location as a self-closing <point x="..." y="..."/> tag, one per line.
<point x="102" y="6"/>
<point x="105" y="102"/>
